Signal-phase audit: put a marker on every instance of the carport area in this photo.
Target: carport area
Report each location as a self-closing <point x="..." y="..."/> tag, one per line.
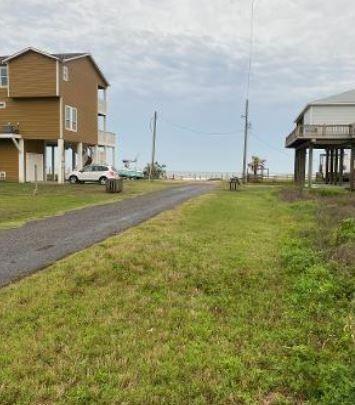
<point x="337" y="162"/>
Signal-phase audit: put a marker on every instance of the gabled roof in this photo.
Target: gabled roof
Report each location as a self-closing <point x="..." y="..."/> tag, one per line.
<point x="346" y="98"/>
<point x="62" y="57"/>
<point x="17" y="54"/>
<point x="2" y="58"/>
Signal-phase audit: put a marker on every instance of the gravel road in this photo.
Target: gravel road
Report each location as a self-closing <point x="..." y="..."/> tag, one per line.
<point x="39" y="243"/>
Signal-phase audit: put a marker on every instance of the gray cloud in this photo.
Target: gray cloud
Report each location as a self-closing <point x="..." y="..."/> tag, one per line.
<point x="197" y="50"/>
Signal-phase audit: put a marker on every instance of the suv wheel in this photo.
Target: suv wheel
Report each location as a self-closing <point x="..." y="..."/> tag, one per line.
<point x="73" y="180"/>
<point x="102" y="180"/>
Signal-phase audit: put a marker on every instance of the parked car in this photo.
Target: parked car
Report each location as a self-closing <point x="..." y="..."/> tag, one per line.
<point x="131" y="174"/>
<point x="93" y="173"/>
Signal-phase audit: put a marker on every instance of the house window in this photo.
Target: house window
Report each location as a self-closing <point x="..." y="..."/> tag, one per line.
<point x="2" y="105"/>
<point x="71" y="118"/>
<point x="3" y="76"/>
<point x="65" y="73"/>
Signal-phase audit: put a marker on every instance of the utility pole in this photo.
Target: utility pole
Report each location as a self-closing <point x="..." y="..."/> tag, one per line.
<point x="246" y="116"/>
<point x="246" y="128"/>
<point x="152" y="163"/>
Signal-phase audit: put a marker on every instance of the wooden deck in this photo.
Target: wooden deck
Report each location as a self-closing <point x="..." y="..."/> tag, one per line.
<point x="320" y="133"/>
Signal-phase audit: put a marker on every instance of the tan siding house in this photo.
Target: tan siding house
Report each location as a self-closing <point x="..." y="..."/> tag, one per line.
<point x="32" y="75"/>
<point x="51" y="117"/>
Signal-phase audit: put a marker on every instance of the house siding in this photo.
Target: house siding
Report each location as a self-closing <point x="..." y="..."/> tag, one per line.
<point x="307" y="118"/>
<point x="9" y="159"/>
<point x="36" y="100"/>
<point x="81" y="92"/>
<point x="330" y="115"/>
<point x="37" y="118"/>
<point x="32" y="75"/>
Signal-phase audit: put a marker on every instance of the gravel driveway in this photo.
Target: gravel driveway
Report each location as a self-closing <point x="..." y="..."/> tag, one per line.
<point x="39" y="243"/>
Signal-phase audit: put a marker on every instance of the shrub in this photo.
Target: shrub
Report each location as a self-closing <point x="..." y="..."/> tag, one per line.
<point x="327" y="192"/>
<point x="346" y="231"/>
<point x="296" y="257"/>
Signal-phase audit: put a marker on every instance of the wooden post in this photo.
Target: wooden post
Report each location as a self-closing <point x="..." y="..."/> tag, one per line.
<point x="73" y="159"/>
<point x="61" y="161"/>
<point x="45" y="161"/>
<point x="352" y="168"/>
<point x="295" y="170"/>
<point x="302" y="168"/>
<point x="331" y="166"/>
<point x="21" y="161"/>
<point x="341" y="167"/>
<point x="79" y="151"/>
<point x="336" y="166"/>
<point x="35" y="191"/>
<point x="327" y="166"/>
<point x="310" y="165"/>
<point x="53" y="162"/>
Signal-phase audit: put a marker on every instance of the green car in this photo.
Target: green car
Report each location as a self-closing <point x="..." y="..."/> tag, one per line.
<point x="131" y="174"/>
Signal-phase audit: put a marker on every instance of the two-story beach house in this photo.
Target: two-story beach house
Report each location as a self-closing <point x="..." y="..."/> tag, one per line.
<point x="52" y="115"/>
<point x="327" y="124"/>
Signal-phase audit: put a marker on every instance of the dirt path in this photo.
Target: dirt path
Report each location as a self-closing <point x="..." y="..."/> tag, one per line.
<point x="39" y="243"/>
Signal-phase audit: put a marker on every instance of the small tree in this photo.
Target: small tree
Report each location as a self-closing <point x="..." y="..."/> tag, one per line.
<point x="256" y="164"/>
<point x="158" y="171"/>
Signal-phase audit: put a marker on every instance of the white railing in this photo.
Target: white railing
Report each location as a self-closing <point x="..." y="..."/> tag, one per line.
<point x="107" y="138"/>
<point x="320" y="132"/>
<point x="102" y="106"/>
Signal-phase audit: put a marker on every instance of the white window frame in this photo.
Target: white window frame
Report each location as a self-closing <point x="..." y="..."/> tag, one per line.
<point x="2" y="105"/>
<point x="2" y="69"/>
<point x="71" y="118"/>
<point x="65" y="73"/>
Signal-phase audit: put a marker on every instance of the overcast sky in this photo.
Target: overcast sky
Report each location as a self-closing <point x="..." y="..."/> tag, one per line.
<point x="188" y="60"/>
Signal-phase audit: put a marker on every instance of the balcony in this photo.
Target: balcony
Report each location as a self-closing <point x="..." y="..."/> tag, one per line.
<point x="9" y="129"/>
<point x="102" y="107"/>
<point x="107" y="139"/>
<point x="319" y="133"/>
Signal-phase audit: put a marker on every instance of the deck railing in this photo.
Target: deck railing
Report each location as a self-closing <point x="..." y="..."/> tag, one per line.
<point x="320" y="132"/>
<point x="107" y="138"/>
<point x="9" y="129"/>
<point x="102" y="106"/>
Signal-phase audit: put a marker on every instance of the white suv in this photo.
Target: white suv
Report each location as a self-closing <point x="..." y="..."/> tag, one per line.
<point x="99" y="173"/>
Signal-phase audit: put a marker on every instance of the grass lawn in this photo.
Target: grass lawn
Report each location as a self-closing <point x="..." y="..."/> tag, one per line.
<point x="230" y="298"/>
<point x="18" y="204"/>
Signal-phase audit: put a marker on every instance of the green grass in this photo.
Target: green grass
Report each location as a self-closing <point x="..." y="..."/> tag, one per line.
<point x="223" y="300"/>
<point x="18" y="204"/>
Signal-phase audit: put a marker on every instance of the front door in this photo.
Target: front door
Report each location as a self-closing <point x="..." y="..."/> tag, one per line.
<point x="34" y="167"/>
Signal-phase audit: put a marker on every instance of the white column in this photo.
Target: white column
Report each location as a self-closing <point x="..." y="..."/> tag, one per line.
<point x="61" y="161"/>
<point x="96" y="157"/>
<point x="79" y="151"/>
<point x="113" y="156"/>
<point x="21" y="161"/>
<point x="105" y="154"/>
<point x="310" y="165"/>
<point x="44" y="161"/>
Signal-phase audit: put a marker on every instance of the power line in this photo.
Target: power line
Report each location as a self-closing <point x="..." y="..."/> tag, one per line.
<point x="197" y="131"/>
<point x="268" y="145"/>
